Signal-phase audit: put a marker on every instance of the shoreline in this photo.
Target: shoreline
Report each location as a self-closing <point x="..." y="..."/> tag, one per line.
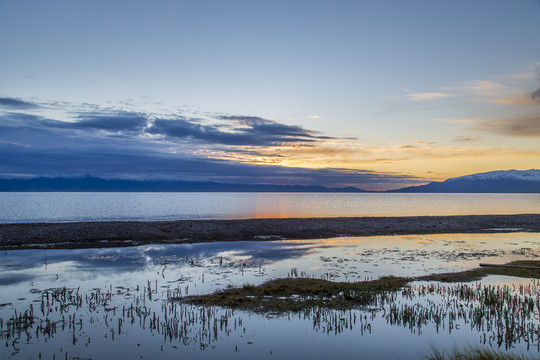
<point x="134" y="233"/>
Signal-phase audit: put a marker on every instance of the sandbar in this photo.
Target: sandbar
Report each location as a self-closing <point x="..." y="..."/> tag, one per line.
<point x="133" y="233"/>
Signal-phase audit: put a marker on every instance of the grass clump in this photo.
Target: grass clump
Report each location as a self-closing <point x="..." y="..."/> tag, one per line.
<point x="295" y="294"/>
<point x="473" y="353"/>
<point x="478" y="273"/>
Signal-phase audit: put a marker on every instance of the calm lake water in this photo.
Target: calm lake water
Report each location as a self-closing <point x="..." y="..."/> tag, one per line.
<point x="51" y="207"/>
<point x="115" y="303"/>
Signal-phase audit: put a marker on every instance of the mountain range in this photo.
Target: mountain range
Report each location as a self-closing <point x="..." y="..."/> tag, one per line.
<point x="90" y="183"/>
<point x="507" y="181"/>
<point x="504" y="181"/>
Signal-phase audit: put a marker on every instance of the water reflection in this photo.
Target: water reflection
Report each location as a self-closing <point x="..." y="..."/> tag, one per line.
<point x="101" y="303"/>
<point x="137" y="321"/>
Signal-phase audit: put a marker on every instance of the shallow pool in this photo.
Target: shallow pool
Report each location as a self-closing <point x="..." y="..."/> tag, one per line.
<point x="104" y="303"/>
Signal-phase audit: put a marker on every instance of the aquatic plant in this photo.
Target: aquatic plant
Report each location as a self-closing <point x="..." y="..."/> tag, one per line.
<point x="478" y="273"/>
<point x="294" y="294"/>
<point x="503" y="316"/>
<point x="473" y="353"/>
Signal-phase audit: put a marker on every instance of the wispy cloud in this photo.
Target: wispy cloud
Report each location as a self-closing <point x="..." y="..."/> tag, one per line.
<point x="516" y="126"/>
<point x="482" y="90"/>
<point x="466" y="139"/>
<point x="512" y="89"/>
<point x="466" y="152"/>
<point x="522" y="127"/>
<point x="520" y="99"/>
<point x="459" y="121"/>
<point x="483" y="87"/>
<point x="428" y="96"/>
<point x="260" y="126"/>
<point x="536" y="95"/>
<point x="236" y="130"/>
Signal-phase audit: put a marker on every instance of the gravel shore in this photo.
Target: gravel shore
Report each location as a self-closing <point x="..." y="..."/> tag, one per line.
<point x="131" y="233"/>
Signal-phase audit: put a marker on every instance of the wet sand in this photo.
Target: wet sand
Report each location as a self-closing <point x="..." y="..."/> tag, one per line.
<point x="131" y="233"/>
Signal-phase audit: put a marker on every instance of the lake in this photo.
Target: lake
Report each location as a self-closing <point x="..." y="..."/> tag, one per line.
<point x="89" y="206"/>
<point x="116" y="302"/>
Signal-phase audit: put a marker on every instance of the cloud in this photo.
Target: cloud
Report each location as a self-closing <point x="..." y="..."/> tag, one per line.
<point x="459" y="121"/>
<point x="120" y="160"/>
<point x="274" y="128"/>
<point x="483" y="87"/>
<point x="243" y="119"/>
<point x="520" y="100"/>
<point x="467" y="152"/>
<point x="419" y="142"/>
<point x="224" y="130"/>
<point x="536" y="95"/>
<point x="216" y="148"/>
<point x="512" y="92"/>
<point x="428" y="96"/>
<point x="489" y="91"/>
<point x="22" y="119"/>
<point x="466" y="139"/>
<point x="188" y="129"/>
<point x="260" y="126"/>
<point x="110" y="123"/>
<point x="237" y="130"/>
<point x="522" y="127"/>
<point x="314" y="117"/>
<point x="118" y="121"/>
<point x="13" y="103"/>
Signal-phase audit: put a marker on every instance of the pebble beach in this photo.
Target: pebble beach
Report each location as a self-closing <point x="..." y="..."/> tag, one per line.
<point x="133" y="233"/>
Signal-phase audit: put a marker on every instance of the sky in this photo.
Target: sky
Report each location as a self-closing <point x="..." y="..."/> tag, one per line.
<point x="373" y="94"/>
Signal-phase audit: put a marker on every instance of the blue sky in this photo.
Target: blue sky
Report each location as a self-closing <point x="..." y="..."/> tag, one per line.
<point x="374" y="94"/>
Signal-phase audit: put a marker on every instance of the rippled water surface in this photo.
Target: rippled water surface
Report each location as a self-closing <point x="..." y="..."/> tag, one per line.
<point x="106" y="303"/>
<point x="50" y="207"/>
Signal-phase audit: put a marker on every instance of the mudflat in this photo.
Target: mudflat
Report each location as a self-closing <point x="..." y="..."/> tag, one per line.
<point x="131" y="233"/>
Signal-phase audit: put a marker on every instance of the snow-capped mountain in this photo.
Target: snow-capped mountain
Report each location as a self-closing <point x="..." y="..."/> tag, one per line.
<point x="504" y="181"/>
<point x="501" y="175"/>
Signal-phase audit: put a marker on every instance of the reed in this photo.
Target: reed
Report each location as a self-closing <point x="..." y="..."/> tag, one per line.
<point x="473" y="353"/>
<point x="502" y="316"/>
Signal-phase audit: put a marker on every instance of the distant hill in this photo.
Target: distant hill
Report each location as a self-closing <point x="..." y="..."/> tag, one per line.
<point x="89" y="183"/>
<point x="509" y="181"/>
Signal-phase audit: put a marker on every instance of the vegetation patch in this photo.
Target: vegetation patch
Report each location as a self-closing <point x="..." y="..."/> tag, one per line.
<point x="478" y="273"/>
<point x="474" y="353"/>
<point x="299" y="293"/>
<point x="295" y="294"/>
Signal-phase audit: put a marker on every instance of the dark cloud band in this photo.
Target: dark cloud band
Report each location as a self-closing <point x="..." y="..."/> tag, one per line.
<point x="13" y="103"/>
<point x="120" y="144"/>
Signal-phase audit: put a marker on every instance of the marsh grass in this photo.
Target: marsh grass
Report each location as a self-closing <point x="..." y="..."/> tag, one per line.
<point x="294" y="294"/>
<point x="297" y="293"/>
<point x="503" y="316"/>
<point x="473" y="353"/>
<point x="478" y="273"/>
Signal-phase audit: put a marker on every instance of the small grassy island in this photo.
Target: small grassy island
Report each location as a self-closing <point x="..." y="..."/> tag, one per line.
<point x="318" y="298"/>
<point x="298" y="293"/>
